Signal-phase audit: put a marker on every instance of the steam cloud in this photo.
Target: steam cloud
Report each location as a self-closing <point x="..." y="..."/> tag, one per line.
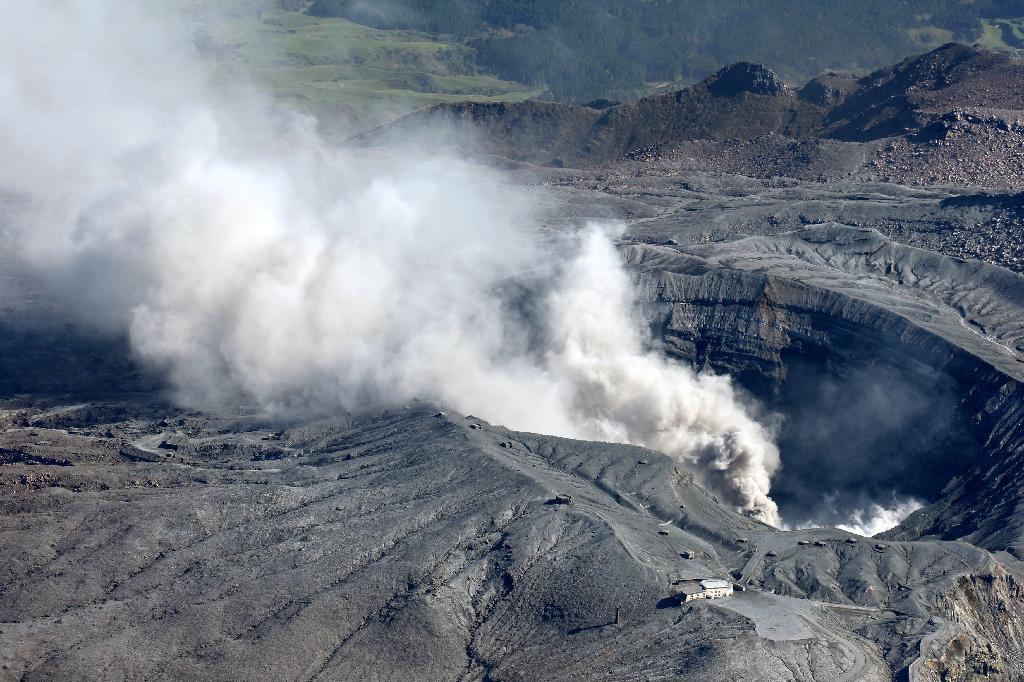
<point x="877" y="519"/>
<point x="247" y="260"/>
<point x="869" y="520"/>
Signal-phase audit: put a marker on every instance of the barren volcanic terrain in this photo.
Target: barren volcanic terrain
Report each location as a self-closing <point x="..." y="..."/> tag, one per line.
<point x="850" y="252"/>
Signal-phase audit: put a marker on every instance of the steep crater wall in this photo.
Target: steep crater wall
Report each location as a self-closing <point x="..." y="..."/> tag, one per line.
<point x="877" y="407"/>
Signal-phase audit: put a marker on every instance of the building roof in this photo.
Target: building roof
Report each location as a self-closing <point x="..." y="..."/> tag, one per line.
<point x="713" y="583"/>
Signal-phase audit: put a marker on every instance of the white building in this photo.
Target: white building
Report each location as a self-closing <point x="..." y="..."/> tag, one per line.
<point x="712" y="588"/>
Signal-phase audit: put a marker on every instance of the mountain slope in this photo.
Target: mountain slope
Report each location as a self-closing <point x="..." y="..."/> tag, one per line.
<point x="419" y="545"/>
<point x="909" y="96"/>
<point x="586" y="49"/>
<point x="952" y="116"/>
<point x="738" y="101"/>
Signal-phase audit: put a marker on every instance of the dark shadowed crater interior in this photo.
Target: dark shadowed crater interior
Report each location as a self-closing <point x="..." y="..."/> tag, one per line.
<point x="868" y="434"/>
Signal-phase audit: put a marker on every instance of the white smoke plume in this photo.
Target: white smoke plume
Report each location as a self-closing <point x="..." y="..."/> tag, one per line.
<point x="625" y="392"/>
<point x="878" y="519"/>
<point x="247" y="260"/>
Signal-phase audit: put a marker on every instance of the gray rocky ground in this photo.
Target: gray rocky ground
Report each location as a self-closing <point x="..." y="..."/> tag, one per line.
<point x="146" y="543"/>
<point x="878" y="307"/>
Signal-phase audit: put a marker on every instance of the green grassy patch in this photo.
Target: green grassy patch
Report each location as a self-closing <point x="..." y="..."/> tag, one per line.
<point x="929" y="37"/>
<point x="1006" y="35"/>
<point x="350" y="76"/>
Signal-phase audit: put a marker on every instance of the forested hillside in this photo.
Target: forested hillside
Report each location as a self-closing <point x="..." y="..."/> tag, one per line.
<point x="583" y="49"/>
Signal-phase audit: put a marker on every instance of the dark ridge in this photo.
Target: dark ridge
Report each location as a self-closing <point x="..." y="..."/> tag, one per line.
<point x="903" y="98"/>
<point x="737" y="102"/>
<point x="756" y="79"/>
<point x="602" y="103"/>
<point x="744" y="101"/>
<point x="829" y="89"/>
